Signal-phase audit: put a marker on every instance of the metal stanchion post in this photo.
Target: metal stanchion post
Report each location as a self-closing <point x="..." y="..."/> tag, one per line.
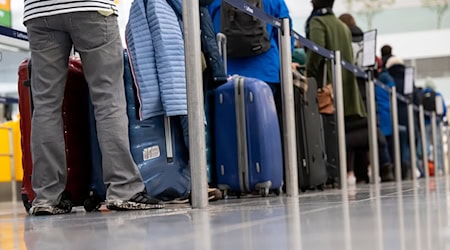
<point x="447" y="153"/>
<point x="423" y="140"/>
<point x="395" y="135"/>
<point x="372" y="126"/>
<point x="289" y="136"/>
<point x="197" y="152"/>
<point x="441" y="140"/>
<point x="434" y="142"/>
<point x="412" y="143"/>
<point x="339" y="100"/>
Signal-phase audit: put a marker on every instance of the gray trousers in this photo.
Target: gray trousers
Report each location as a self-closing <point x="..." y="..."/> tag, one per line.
<point x="97" y="39"/>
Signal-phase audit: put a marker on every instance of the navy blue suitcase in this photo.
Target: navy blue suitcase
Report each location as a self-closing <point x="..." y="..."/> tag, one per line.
<point x="157" y="146"/>
<point x="247" y="138"/>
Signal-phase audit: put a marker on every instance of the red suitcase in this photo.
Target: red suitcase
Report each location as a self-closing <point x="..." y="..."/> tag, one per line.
<point x="75" y="115"/>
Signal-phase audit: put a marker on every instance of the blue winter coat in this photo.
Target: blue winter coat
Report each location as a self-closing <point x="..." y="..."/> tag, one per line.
<point x="384" y="103"/>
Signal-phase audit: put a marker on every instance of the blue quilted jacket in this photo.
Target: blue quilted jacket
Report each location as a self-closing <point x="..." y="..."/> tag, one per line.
<point x="156" y="49"/>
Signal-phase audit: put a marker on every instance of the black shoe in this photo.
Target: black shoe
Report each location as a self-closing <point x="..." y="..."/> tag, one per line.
<point x="140" y="201"/>
<point x="64" y="207"/>
<point x="387" y="173"/>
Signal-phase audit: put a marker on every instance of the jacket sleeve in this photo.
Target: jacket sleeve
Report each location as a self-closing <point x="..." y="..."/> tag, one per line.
<point x="211" y="50"/>
<point x="280" y="10"/>
<point x="214" y="12"/>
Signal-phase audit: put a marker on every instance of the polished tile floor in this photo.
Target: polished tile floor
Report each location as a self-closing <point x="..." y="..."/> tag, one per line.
<point x="387" y="216"/>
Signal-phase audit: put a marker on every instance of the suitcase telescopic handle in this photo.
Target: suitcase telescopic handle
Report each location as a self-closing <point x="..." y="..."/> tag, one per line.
<point x="222" y="44"/>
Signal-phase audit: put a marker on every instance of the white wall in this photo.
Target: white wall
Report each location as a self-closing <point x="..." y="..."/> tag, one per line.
<point x="415" y="45"/>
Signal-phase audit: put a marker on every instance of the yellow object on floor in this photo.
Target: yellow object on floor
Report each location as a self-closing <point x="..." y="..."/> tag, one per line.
<point x="5" y="160"/>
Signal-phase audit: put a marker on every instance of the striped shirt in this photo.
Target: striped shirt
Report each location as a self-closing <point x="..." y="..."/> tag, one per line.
<point x="40" y="8"/>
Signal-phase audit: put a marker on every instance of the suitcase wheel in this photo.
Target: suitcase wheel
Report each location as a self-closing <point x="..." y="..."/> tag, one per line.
<point x="92" y="204"/>
<point x="224" y="193"/>
<point x="264" y="192"/>
<point x="26" y="203"/>
<point x="278" y="192"/>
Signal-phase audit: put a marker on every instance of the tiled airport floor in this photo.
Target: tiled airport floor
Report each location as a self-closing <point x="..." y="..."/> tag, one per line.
<point x="391" y="217"/>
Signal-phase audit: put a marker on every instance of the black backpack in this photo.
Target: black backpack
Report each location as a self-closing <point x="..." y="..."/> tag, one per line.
<point x="246" y="35"/>
<point x="429" y="101"/>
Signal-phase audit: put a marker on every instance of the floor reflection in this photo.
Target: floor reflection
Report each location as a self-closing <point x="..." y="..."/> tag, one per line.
<point x="386" y="216"/>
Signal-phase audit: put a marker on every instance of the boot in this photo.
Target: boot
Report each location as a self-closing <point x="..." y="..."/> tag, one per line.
<point x="406" y="171"/>
<point x="387" y="172"/>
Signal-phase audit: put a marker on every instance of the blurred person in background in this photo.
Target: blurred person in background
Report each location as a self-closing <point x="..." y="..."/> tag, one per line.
<point x="326" y="30"/>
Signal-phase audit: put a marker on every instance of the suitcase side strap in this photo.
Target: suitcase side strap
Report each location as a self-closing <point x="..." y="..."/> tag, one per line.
<point x="241" y="133"/>
<point x="168" y="137"/>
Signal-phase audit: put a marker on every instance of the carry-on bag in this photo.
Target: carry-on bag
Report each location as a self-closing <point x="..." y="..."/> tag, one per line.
<point x="76" y="132"/>
<point x="247" y="136"/>
<point x="311" y="155"/>
<point x="331" y="148"/>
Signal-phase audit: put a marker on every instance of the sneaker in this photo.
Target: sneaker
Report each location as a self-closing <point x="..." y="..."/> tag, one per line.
<point x="140" y="201"/>
<point x="64" y="207"/>
<point x="351" y="180"/>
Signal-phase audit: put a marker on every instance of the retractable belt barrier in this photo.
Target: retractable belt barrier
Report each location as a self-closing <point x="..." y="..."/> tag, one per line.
<point x="12" y="33"/>
<point x="8" y="100"/>
<point x="13" y="38"/>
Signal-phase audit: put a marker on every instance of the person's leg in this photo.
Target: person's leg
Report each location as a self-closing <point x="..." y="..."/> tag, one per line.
<point x="97" y="39"/>
<point x="428" y="134"/>
<point x="390" y="145"/>
<point x="384" y="156"/>
<point x="276" y="91"/>
<point x="405" y="152"/>
<point x="50" y="48"/>
<point x="386" y="164"/>
<point x="351" y="178"/>
<point x="361" y="165"/>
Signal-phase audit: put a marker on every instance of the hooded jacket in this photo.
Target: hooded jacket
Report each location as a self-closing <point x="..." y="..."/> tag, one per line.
<point x="397" y="71"/>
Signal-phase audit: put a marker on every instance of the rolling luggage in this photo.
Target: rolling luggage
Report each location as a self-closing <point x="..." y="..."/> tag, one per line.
<point x="247" y="137"/>
<point x="158" y="149"/>
<point x="76" y="133"/>
<point x="311" y="155"/>
<point x="331" y="148"/>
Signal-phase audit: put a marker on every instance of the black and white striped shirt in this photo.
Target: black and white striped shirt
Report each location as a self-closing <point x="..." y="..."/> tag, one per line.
<point x="40" y="8"/>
